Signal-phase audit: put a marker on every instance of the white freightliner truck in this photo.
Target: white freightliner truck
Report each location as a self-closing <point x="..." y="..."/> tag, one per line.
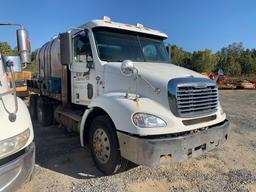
<point x="113" y="84"/>
<point x="17" y="149"/>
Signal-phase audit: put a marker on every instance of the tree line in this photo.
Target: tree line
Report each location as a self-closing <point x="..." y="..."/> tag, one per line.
<point x="234" y="60"/>
<point x="7" y="50"/>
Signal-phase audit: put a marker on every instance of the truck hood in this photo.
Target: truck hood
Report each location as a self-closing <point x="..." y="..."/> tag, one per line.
<point x="157" y="74"/>
<point x="163" y="71"/>
<point x="9" y="129"/>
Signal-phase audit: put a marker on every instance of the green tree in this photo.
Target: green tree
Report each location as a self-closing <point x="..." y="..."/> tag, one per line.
<point x="248" y="62"/>
<point x="204" y="61"/>
<point x="177" y="55"/>
<point x="5" y="48"/>
<point x="33" y="55"/>
<point x="33" y="67"/>
<point x="180" y="57"/>
<point x="230" y="59"/>
<point x="14" y="52"/>
<point x="232" y="67"/>
<point x="233" y="59"/>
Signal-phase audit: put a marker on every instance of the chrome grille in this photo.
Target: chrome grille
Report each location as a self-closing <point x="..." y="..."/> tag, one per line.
<point x="194" y="100"/>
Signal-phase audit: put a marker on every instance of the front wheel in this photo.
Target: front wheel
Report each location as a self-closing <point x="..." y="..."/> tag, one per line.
<point x="104" y="146"/>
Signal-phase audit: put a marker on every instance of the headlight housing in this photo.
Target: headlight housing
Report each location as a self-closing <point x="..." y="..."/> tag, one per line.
<point x="13" y="144"/>
<point x="144" y="120"/>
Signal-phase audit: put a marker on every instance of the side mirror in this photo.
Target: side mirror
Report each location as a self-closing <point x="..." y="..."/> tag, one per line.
<point x="65" y="48"/>
<point x="23" y="45"/>
<point x="127" y="68"/>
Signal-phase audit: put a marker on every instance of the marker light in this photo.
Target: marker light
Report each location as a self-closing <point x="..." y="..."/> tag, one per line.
<point x="138" y="25"/>
<point x="106" y="19"/>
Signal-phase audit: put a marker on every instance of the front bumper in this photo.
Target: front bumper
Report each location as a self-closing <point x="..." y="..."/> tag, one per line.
<point x="166" y="149"/>
<point x="17" y="171"/>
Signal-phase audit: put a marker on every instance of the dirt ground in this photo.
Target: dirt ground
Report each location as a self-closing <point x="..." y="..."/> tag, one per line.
<point x="62" y="165"/>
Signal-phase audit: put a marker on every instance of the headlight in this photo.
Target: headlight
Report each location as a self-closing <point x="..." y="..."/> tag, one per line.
<point x="13" y="144"/>
<point x="144" y="120"/>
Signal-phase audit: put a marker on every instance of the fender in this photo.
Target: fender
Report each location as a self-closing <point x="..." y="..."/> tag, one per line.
<point x="116" y="106"/>
<point x="21" y="123"/>
<point x="121" y="109"/>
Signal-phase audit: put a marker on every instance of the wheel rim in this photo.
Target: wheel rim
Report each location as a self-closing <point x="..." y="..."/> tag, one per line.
<point x="101" y="145"/>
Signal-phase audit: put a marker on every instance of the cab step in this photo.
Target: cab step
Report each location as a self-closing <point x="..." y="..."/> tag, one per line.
<point x="69" y="118"/>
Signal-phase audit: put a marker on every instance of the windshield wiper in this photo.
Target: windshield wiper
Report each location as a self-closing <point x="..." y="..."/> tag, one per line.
<point x="141" y="49"/>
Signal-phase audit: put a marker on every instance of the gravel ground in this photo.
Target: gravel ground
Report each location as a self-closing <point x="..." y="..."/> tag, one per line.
<point x="62" y="165"/>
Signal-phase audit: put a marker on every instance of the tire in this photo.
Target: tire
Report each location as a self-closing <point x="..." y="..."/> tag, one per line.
<point x="33" y="106"/>
<point x="104" y="146"/>
<point x="44" y="111"/>
<point x="54" y="105"/>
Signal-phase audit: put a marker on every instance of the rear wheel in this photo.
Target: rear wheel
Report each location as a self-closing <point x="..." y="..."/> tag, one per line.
<point x="33" y="106"/>
<point x="44" y="111"/>
<point x="104" y="146"/>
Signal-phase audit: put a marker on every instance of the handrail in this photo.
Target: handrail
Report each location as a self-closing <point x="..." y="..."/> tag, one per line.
<point x="12" y="115"/>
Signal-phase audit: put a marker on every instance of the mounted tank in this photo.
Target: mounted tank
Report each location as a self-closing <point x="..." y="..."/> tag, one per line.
<point x="48" y="58"/>
<point x="50" y="68"/>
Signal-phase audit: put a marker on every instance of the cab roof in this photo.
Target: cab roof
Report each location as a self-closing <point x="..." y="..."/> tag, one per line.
<point x="106" y="22"/>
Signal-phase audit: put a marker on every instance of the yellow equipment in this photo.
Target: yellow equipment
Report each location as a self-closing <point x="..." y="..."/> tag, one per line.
<point x="21" y="82"/>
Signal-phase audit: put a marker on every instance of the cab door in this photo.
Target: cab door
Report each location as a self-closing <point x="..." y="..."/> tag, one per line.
<point x="82" y="69"/>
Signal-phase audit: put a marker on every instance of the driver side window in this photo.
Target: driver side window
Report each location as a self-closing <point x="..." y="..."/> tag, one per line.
<point x="82" y="48"/>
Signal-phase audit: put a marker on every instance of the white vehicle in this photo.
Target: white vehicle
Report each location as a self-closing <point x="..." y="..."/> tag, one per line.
<point x="17" y="150"/>
<point x="113" y="84"/>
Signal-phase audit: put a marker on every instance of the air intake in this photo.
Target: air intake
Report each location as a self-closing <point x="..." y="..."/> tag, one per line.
<point x="193" y="97"/>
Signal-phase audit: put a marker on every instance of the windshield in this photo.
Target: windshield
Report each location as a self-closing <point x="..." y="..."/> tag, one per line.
<point x="119" y="45"/>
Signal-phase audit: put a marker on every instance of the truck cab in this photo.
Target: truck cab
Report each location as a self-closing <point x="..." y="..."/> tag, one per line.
<point x="17" y="149"/>
<point x="114" y="84"/>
